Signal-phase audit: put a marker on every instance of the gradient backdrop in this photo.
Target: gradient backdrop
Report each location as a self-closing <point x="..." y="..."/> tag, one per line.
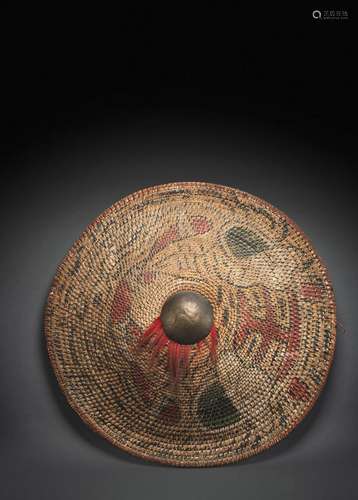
<point x="262" y="100"/>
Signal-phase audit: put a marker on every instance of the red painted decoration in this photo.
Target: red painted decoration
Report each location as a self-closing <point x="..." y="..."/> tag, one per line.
<point x="298" y="390"/>
<point x="201" y="224"/>
<point x="311" y="291"/>
<point x="169" y="236"/>
<point x="178" y="354"/>
<point x="121" y="301"/>
<point x="269" y="331"/>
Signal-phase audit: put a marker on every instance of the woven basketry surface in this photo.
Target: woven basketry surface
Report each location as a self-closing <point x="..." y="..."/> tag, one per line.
<point x="273" y="308"/>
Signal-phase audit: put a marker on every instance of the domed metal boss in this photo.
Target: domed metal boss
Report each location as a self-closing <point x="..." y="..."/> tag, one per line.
<point x="187" y="317"/>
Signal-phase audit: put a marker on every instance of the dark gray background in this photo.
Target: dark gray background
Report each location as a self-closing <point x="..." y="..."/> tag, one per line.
<point x="268" y="112"/>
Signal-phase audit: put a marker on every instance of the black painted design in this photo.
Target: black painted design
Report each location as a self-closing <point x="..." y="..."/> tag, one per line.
<point x="215" y="408"/>
<point x="243" y="242"/>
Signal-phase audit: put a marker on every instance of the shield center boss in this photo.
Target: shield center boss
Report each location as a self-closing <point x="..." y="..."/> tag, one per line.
<point x="192" y="324"/>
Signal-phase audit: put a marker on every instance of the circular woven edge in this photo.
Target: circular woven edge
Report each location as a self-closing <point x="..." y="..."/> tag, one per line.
<point x="90" y="422"/>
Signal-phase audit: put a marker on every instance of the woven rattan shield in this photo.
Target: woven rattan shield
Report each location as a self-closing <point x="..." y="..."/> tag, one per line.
<point x="191" y="324"/>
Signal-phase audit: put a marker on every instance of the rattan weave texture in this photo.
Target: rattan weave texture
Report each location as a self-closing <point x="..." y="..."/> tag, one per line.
<point x="274" y="312"/>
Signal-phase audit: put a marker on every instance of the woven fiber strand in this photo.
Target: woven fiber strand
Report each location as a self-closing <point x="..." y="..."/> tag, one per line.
<point x="274" y="312"/>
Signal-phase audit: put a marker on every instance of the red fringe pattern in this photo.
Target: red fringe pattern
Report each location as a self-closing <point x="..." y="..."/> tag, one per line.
<point x="178" y="355"/>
